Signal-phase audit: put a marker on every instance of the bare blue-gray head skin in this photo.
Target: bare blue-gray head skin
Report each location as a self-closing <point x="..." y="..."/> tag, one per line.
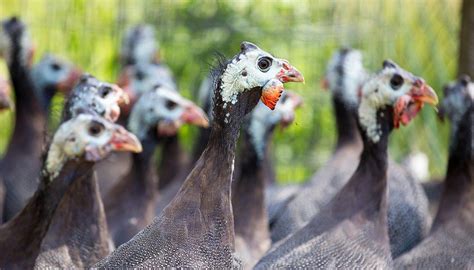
<point x="139" y="45"/>
<point x="164" y="111"/>
<point x="51" y="75"/>
<point x="345" y="74"/>
<point x="458" y="99"/>
<point x="92" y="96"/>
<point x="262" y="121"/>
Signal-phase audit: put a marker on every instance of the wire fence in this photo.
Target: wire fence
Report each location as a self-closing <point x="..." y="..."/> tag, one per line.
<point x="420" y="35"/>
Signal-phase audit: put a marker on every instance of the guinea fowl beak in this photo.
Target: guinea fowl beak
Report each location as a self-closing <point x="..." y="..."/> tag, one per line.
<point x="195" y="116"/>
<point x="67" y="84"/>
<point x="124" y="141"/>
<point x="272" y="90"/>
<point x="293" y="102"/>
<point x="123" y="98"/>
<point x="408" y="105"/>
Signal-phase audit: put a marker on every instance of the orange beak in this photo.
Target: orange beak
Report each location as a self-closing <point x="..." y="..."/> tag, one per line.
<point x="408" y="106"/>
<point x="195" y="116"/>
<point x="325" y="84"/>
<point x="124" y="141"/>
<point x="289" y="74"/>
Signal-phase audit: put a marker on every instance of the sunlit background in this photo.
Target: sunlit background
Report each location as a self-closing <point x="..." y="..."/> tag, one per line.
<point x="420" y="35"/>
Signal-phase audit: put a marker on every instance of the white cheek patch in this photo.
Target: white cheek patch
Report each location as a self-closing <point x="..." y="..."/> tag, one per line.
<point x="242" y="74"/>
<point x="377" y="94"/>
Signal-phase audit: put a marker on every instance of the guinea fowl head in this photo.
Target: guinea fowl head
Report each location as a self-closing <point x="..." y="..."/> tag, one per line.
<point x="262" y="121"/>
<point x="251" y="75"/>
<point x="52" y="72"/>
<point x="5" y="100"/>
<point x="396" y="88"/>
<point x="14" y="39"/>
<point x="345" y="74"/>
<point x="458" y="98"/>
<point x="90" y="138"/>
<point x="95" y="97"/>
<point x="163" y="110"/>
<point x="139" y="45"/>
<point x="142" y="77"/>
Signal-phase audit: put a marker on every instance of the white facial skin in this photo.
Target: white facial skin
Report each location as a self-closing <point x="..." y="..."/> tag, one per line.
<point x="103" y="99"/>
<point x="379" y="92"/>
<point x="87" y="136"/>
<point x="353" y="75"/>
<point x="5" y="99"/>
<point x="252" y="68"/>
<point x="162" y="108"/>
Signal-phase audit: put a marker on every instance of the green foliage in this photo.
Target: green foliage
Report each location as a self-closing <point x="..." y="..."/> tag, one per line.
<point x="421" y="35"/>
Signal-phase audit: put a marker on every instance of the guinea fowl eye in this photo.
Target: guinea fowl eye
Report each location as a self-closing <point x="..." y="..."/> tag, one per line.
<point x="95" y="129"/>
<point x="55" y="66"/>
<point x="105" y="91"/>
<point x="140" y="75"/>
<point x="171" y="104"/>
<point x="396" y="81"/>
<point x="264" y="63"/>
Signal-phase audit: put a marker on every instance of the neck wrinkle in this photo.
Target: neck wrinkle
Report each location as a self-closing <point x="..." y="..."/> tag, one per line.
<point x="346" y="123"/>
<point x="458" y="194"/>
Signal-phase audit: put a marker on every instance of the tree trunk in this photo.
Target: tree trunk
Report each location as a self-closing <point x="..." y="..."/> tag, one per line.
<point x="466" y="49"/>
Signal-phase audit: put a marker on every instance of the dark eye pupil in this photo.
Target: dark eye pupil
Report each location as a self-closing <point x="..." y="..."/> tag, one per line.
<point x="139" y="75"/>
<point x="95" y="129"/>
<point x="396" y="82"/>
<point x="170" y="104"/>
<point x="264" y="63"/>
<point x="105" y="92"/>
<point x="55" y="66"/>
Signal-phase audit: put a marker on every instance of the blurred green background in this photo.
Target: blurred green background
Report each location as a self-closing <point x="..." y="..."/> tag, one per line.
<point x="420" y="35"/>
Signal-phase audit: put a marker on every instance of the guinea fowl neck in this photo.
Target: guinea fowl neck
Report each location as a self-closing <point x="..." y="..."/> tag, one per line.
<point x="346" y="122"/>
<point x="248" y="197"/>
<point x="173" y="160"/>
<point x="143" y="172"/>
<point x="30" y="118"/>
<point x="21" y="237"/>
<point x="208" y="187"/>
<point x="366" y="192"/>
<point x="458" y="194"/>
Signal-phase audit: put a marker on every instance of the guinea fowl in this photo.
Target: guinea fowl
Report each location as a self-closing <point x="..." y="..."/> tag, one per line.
<point x="450" y="243"/>
<point x="141" y="57"/>
<point x="30" y="117"/>
<point x="76" y="145"/>
<point x="351" y="230"/>
<point x="168" y="192"/>
<point x="196" y="229"/>
<point x="408" y="215"/>
<point x="140" y="79"/>
<point x="157" y="114"/>
<point x="52" y="74"/>
<point x="78" y="235"/>
<point x="345" y="73"/>
<point x="252" y="236"/>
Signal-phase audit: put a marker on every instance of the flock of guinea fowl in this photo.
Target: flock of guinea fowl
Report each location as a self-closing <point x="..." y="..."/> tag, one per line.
<point x="92" y="194"/>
